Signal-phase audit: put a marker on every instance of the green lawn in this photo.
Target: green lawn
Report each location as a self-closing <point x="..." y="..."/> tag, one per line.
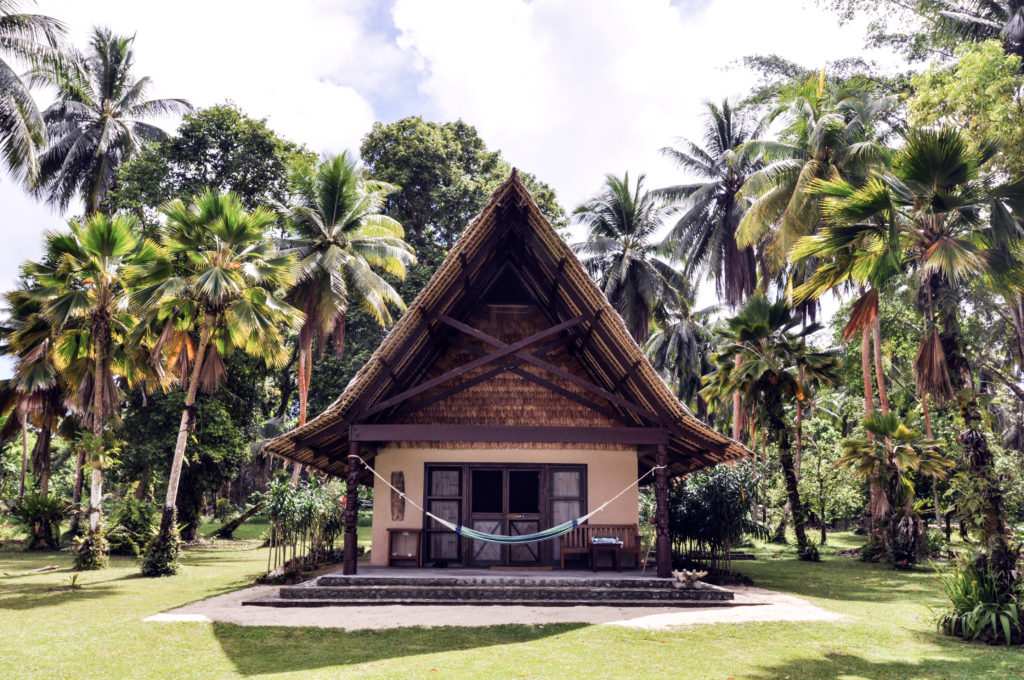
<point x="97" y="632"/>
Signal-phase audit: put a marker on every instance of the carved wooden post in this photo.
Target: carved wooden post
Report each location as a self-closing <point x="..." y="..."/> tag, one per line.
<point x="663" y="545"/>
<point x="352" y="507"/>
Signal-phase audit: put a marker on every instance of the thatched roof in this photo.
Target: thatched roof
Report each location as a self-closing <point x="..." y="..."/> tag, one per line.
<point x="509" y="250"/>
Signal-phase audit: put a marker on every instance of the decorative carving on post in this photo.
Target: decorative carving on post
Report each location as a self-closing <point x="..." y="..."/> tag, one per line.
<point x="352" y="507"/>
<point x="397" y="501"/>
<point x="663" y="545"/>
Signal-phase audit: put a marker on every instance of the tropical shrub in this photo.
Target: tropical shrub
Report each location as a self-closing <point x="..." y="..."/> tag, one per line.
<point x="160" y="557"/>
<point x="91" y="551"/>
<point x="305" y="522"/>
<point x="981" y="606"/>
<point x="711" y="511"/>
<point x="41" y="516"/>
<point x="132" y="523"/>
<point x="223" y="509"/>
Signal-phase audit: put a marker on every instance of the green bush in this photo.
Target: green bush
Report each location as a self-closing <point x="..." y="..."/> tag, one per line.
<point x="161" y="555"/>
<point x="131" y="524"/>
<point x="223" y="510"/>
<point x="41" y="516"/>
<point x="91" y="551"/>
<point x="981" y="607"/>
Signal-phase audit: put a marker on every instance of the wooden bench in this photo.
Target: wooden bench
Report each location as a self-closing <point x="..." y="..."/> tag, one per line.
<point x="578" y="541"/>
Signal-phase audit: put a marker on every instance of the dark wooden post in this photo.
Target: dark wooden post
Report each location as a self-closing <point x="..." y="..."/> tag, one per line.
<point x="352" y="508"/>
<point x="664" y="546"/>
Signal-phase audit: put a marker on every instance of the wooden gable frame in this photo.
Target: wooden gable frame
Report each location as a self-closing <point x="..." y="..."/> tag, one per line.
<point x="510" y="237"/>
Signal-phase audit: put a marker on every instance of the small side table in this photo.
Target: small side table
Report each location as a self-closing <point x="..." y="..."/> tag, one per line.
<point x="598" y="548"/>
<point x="404" y="544"/>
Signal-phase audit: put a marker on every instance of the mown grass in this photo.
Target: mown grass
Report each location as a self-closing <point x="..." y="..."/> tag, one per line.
<point x="98" y="632"/>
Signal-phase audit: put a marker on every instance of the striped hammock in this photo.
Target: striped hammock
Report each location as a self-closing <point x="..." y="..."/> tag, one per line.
<point x="546" y="535"/>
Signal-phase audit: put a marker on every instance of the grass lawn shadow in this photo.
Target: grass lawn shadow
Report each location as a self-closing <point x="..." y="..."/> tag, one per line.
<point x="950" y="664"/>
<point x="275" y="649"/>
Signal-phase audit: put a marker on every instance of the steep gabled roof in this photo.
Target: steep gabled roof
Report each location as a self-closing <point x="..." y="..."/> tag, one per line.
<point x="511" y="234"/>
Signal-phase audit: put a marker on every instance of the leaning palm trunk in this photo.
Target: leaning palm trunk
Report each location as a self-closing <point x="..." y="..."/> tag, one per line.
<point x="792" y="490"/>
<point x="737" y="419"/>
<point x="96" y="489"/>
<point x="170" y="502"/>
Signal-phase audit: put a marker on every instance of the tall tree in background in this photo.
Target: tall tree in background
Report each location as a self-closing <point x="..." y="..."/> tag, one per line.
<point x="339" y="237"/>
<point x="681" y="348"/>
<point x="82" y="282"/>
<point x="225" y="284"/>
<point x="951" y="224"/>
<point x="620" y="252"/>
<point x="704" y="237"/>
<point x="776" y="369"/>
<point x="24" y="38"/>
<point x="98" y="120"/>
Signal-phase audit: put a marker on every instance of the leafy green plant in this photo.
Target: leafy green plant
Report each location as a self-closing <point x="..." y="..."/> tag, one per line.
<point x="162" y="553"/>
<point x="41" y="516"/>
<point x="223" y="509"/>
<point x="91" y="551"/>
<point x="981" y="607"/>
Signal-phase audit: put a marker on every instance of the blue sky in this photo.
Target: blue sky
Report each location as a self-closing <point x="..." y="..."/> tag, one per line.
<point x="568" y="89"/>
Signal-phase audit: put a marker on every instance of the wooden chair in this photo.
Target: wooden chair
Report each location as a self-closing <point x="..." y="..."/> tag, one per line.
<point x="578" y="541"/>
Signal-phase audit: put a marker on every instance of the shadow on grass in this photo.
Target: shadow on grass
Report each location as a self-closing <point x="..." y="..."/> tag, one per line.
<point x="274" y="649"/>
<point x="18" y="596"/>
<point x="966" y="664"/>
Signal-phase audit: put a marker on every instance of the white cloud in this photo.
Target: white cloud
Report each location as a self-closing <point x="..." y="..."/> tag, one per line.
<point x="574" y="89"/>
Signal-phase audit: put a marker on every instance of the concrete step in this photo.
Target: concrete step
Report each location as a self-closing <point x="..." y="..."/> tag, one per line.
<point x="503" y="593"/>
<point x="517" y="581"/>
<point x="277" y="601"/>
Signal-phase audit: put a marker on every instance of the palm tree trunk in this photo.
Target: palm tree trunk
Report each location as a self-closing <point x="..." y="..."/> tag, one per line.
<point x="305" y="374"/>
<point x="935" y="482"/>
<point x="865" y="367"/>
<point x="736" y="409"/>
<point x="96" y="489"/>
<point x="792" y="490"/>
<point x="170" y="502"/>
<point x="876" y="334"/>
<point x="76" y="494"/>
<point x="24" y="454"/>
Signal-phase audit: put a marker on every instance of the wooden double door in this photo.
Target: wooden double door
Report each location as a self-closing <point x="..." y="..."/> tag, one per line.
<point x="510" y="500"/>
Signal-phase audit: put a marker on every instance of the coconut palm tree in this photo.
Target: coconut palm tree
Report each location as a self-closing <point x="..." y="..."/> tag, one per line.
<point x="82" y="283"/>
<point x="339" y="237"/>
<point x="952" y="225"/>
<point x="24" y="38"/>
<point x="776" y="370"/>
<point x="831" y="133"/>
<point x="226" y="284"/>
<point x="888" y="461"/>
<point x="681" y="347"/>
<point x="619" y="250"/>
<point x="704" y="237"/>
<point x="98" y="120"/>
<point x="980" y="20"/>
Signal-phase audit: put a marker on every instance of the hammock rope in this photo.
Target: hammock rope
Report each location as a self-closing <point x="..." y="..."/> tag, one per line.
<point x="546" y="535"/>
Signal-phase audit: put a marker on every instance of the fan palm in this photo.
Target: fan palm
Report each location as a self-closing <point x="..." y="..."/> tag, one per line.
<point x="35" y="394"/>
<point x="619" y="250"/>
<point x="339" y="238"/>
<point x="26" y="38"/>
<point x="97" y="122"/>
<point x="225" y="283"/>
<point x="888" y="462"/>
<point x="940" y="216"/>
<point x="776" y="369"/>
<point x="82" y="286"/>
<point x="704" y="238"/>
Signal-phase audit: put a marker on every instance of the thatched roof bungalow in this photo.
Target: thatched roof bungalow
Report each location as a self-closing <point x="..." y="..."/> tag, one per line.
<point x="508" y="398"/>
